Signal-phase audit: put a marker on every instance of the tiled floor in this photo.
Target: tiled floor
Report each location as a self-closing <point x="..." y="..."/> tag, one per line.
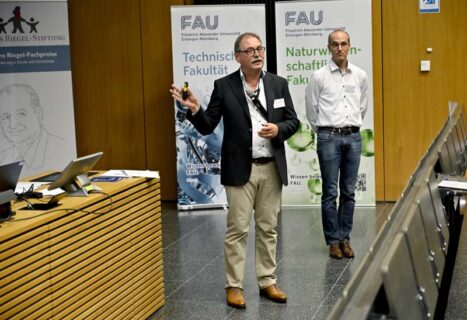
<point x="194" y="265"/>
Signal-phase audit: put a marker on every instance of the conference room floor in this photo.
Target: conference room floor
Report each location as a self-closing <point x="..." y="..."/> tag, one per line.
<point x="194" y="264"/>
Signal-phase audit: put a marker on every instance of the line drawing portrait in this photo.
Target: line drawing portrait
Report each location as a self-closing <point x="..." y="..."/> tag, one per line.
<point x="21" y="122"/>
<point x="33" y="25"/>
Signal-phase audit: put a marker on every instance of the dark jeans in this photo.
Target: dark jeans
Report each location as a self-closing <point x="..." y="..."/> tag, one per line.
<point x="339" y="159"/>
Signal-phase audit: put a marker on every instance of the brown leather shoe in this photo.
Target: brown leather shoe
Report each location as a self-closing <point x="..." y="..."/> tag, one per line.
<point x="347" y="251"/>
<point x="235" y="298"/>
<point x="334" y="251"/>
<point x="273" y="293"/>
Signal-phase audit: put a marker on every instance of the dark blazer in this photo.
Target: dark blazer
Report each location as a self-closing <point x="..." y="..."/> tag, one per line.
<point x="228" y="100"/>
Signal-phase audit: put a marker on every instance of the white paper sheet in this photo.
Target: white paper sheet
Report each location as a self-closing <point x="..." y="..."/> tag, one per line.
<point x="132" y="173"/>
<point x="24" y="186"/>
<point x="452" y="184"/>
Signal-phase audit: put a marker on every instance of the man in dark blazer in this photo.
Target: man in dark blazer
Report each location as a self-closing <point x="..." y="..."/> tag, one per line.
<point x="258" y="116"/>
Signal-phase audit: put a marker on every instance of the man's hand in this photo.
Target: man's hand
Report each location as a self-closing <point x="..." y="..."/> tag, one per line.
<point x="191" y="102"/>
<point x="268" y="131"/>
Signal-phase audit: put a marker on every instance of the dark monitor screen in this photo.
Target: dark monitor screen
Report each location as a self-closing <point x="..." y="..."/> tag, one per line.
<point x="9" y="175"/>
<point x="74" y="177"/>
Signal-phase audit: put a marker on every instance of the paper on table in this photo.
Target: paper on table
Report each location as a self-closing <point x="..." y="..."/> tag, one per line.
<point x="22" y="187"/>
<point x="131" y="173"/>
<point x="460" y="185"/>
<point x="143" y="173"/>
<point x="53" y="192"/>
<point x="25" y="186"/>
<point x="115" y="173"/>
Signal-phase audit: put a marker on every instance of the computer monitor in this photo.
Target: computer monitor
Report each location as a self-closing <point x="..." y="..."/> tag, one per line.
<point x="9" y="174"/>
<point x="74" y="179"/>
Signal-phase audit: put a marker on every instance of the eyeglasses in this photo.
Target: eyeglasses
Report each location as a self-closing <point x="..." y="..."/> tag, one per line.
<point x="251" y="51"/>
<point x="337" y="44"/>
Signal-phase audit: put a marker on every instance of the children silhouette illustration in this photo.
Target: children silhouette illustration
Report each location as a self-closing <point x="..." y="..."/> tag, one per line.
<point x="33" y="25"/>
<point x="2" y="26"/>
<point x="17" y="20"/>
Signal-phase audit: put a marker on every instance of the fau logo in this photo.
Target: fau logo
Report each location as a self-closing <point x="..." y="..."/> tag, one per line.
<point x="303" y="18"/>
<point x="200" y="23"/>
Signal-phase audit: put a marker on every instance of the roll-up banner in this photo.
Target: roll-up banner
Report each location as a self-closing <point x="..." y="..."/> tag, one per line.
<point x="36" y="100"/>
<point x="302" y="30"/>
<point x="203" y="40"/>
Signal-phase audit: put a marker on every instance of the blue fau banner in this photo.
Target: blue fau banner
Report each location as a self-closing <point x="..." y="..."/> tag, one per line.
<point x="203" y="40"/>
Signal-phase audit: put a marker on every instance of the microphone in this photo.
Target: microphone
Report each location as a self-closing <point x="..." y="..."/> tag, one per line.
<point x="254" y="97"/>
<point x="185" y="91"/>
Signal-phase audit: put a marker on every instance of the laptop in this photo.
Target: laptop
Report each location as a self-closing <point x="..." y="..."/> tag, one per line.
<point x="9" y="175"/>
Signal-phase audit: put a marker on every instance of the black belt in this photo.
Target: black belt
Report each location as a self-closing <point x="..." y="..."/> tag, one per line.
<point x="343" y="130"/>
<point x="262" y="160"/>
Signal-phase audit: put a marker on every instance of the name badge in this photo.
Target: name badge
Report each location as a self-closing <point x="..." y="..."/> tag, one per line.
<point x="349" y="89"/>
<point x="279" y="103"/>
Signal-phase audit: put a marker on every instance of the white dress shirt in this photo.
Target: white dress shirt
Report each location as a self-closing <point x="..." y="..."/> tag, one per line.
<point x="336" y="99"/>
<point x="260" y="147"/>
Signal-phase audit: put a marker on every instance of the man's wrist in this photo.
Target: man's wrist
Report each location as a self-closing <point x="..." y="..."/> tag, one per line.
<point x="195" y="110"/>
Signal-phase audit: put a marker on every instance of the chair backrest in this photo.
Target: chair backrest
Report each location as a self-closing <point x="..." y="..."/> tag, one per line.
<point x="415" y="235"/>
<point x="434" y="238"/>
<point x="455" y="152"/>
<point x="462" y="143"/>
<point x="458" y="139"/>
<point x="439" y="209"/>
<point x="445" y="159"/>
<point x="460" y="122"/>
<point x="399" y="282"/>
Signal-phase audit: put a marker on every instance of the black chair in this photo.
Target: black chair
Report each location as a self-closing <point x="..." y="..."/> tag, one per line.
<point x="426" y="276"/>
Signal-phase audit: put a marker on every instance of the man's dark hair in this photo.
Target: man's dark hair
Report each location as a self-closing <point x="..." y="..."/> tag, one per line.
<point x="241" y="37"/>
